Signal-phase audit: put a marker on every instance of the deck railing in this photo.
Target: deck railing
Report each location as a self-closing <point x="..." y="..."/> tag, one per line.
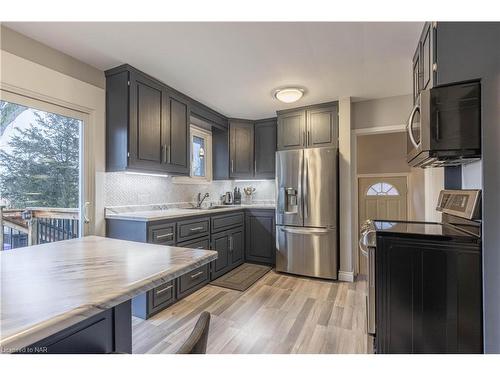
<point x="36" y="225"/>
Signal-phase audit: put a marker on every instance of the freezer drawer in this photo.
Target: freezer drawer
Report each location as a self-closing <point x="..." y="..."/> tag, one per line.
<point x="307" y="251"/>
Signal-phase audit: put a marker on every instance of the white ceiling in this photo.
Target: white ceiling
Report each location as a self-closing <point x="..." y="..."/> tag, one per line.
<point x="235" y="67"/>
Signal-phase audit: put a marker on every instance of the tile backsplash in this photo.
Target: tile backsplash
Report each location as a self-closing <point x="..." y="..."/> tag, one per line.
<point x="121" y="189"/>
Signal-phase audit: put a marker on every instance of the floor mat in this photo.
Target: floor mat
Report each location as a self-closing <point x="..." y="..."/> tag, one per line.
<point x="242" y="277"/>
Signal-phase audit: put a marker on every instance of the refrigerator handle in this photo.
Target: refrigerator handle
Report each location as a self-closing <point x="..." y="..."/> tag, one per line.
<point x="305" y="231"/>
<point x="281" y="200"/>
<point x="306" y="188"/>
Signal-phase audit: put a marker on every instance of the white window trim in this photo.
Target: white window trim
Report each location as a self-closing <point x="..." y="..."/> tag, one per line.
<point x="192" y="180"/>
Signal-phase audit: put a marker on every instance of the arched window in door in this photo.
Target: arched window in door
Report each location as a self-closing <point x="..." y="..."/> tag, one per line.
<point x="382" y="188"/>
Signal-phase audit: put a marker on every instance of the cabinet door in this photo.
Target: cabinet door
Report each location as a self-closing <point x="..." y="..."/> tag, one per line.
<point x="265" y="149"/>
<point x="241" y="138"/>
<point x="416" y="74"/>
<point x="220" y="243"/>
<point x="426" y="56"/>
<point x="322" y="127"/>
<point x="147" y="123"/>
<point x="177" y="152"/>
<point x="291" y="130"/>
<point x="259" y="232"/>
<point x="237" y="246"/>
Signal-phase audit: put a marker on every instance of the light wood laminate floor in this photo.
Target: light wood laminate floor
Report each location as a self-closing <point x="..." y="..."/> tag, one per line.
<point x="278" y="314"/>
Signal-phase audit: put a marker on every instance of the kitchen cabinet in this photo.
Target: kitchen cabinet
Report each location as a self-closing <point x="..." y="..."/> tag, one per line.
<point x="247" y="151"/>
<point x="424" y="65"/>
<point x="241" y="147"/>
<point x="291" y="130"/>
<point x="428" y="297"/>
<point x="265" y="149"/>
<point x="147" y="124"/>
<point x="314" y="126"/>
<point x="322" y="127"/>
<point x="260" y="244"/>
<point x="177" y="145"/>
<point x="237" y="236"/>
<point x="230" y="251"/>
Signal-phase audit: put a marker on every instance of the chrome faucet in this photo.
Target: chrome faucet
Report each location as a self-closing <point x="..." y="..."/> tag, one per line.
<point x="200" y="199"/>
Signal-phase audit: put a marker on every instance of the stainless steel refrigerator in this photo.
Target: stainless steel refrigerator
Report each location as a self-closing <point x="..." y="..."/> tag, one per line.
<point x="306" y="214"/>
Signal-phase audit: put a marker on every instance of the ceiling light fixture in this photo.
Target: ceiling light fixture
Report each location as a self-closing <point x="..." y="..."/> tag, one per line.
<point x="289" y="94"/>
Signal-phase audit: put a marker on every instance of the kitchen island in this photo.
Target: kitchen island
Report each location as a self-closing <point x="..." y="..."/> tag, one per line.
<point x="74" y="296"/>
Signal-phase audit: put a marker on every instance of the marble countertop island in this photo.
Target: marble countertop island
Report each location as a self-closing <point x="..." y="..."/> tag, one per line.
<point x="47" y="288"/>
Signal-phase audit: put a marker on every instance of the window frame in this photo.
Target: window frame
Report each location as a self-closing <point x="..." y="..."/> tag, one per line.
<point x="207" y="136"/>
<point x="87" y="167"/>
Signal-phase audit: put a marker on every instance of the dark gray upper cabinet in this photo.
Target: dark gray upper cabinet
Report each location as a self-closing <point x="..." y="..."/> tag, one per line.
<point x="291" y="130"/>
<point x="147" y="124"/>
<point x="177" y="147"/>
<point x="241" y="146"/>
<point x="314" y="126"/>
<point x="424" y="66"/>
<point x="265" y="148"/>
<point x="322" y="127"/>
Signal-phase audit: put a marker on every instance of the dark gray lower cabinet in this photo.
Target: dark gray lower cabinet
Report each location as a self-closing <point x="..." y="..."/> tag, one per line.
<point x="106" y="332"/>
<point x="193" y="281"/>
<point x="428" y="297"/>
<point x="237" y="236"/>
<point x="230" y="250"/>
<point x="260" y="236"/>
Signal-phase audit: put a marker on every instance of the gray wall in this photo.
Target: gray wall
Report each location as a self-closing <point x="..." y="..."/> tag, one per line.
<point x="386" y="153"/>
<point x="29" y="49"/>
<point x="381" y="112"/>
<point x="471" y="51"/>
<point x="382" y="153"/>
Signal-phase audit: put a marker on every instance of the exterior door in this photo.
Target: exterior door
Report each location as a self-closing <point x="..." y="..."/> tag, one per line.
<point x="383" y="198"/>
<point x="47" y="179"/>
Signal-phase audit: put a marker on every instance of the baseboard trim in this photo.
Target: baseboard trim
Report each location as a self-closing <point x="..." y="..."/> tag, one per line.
<point x="346" y="276"/>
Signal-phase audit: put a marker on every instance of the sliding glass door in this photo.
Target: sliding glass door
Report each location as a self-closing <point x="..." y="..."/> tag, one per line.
<point x="43" y="171"/>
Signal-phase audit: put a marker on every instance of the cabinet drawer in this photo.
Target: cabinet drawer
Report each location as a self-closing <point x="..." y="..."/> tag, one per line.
<point x="200" y="243"/>
<point x="192" y="281"/>
<point x="163" y="294"/>
<point x="189" y="229"/>
<point x="162" y="234"/>
<point x="223" y="222"/>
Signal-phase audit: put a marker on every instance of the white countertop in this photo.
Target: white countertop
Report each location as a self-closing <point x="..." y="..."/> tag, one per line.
<point x="172" y="213"/>
<point x="47" y="288"/>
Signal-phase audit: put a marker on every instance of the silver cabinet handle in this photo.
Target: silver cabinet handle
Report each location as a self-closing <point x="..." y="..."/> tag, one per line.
<point x="231" y="244"/>
<point x="232" y="166"/>
<point x="198" y="274"/>
<point x="164" y="235"/>
<point x="169" y="156"/>
<point x="163" y="290"/>
<point x="196" y="229"/>
<point x="255" y="166"/>
<point x="304" y="141"/>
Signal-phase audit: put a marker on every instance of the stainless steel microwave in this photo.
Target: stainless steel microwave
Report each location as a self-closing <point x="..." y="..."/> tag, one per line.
<point x="444" y="127"/>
